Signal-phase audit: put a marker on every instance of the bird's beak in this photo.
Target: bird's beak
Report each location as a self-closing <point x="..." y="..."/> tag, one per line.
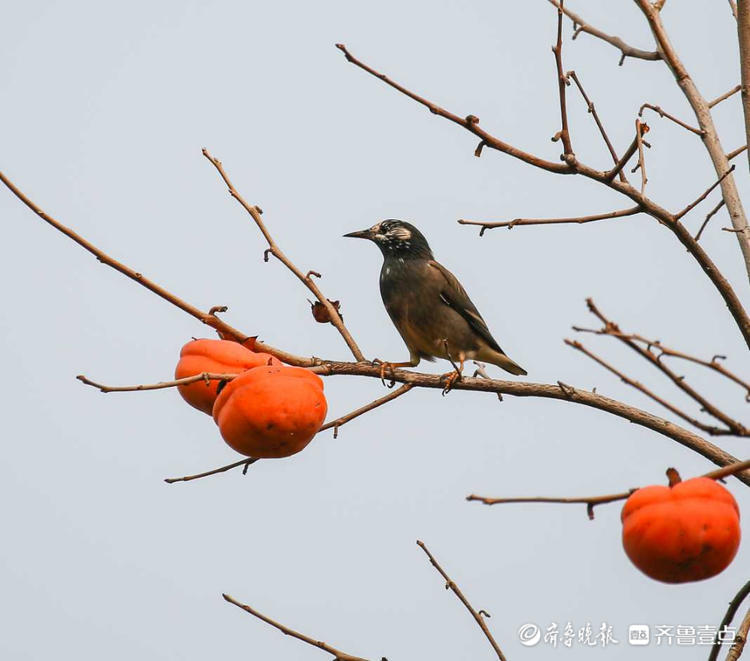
<point x="361" y="234"/>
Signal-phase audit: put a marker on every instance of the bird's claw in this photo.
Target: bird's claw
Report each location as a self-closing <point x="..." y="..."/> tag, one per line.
<point x="384" y="365"/>
<point x="451" y="378"/>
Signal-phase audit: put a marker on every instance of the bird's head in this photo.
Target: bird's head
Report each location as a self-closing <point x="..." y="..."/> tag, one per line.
<point x="396" y="238"/>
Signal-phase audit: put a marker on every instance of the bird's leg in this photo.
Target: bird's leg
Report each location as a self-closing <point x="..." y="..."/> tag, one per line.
<point x="385" y="365"/>
<point x="457" y="373"/>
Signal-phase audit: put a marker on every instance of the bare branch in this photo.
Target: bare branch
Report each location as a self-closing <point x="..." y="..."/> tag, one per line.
<point x="203" y="376"/>
<point x="274" y="249"/>
<point x="705" y="120"/>
<point x="470" y="122"/>
<point x="663" y="113"/>
<point x="450" y="585"/>
<point x="704" y="195"/>
<point x="613" y="330"/>
<point x="335" y="424"/>
<point x="733" y="7"/>
<point x="736" y="152"/>
<point x="724" y="96"/>
<point x="710" y="429"/>
<point x="593" y="501"/>
<point x="640" y="129"/>
<point x="734" y="605"/>
<point x="338" y="422"/>
<point x="510" y="224"/>
<point x="562" y="83"/>
<point x="617" y="169"/>
<point x="625" y="49"/>
<point x="709" y="215"/>
<point x="742" y="14"/>
<point x="337" y="654"/>
<point x="246" y="463"/>
<point x="740" y="639"/>
<point x="592" y="111"/>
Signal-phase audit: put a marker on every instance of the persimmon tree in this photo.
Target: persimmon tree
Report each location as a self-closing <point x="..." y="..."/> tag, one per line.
<point x="625" y="176"/>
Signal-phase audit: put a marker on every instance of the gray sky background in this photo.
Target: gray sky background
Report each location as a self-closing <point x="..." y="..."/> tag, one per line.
<point x="105" y="109"/>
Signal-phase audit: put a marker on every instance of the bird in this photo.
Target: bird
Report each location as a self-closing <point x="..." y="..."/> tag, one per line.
<point x="428" y="305"/>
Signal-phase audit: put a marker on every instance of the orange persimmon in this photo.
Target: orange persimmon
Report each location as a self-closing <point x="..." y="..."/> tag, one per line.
<point x="218" y="356"/>
<point x="271" y="411"/>
<point x="685" y="532"/>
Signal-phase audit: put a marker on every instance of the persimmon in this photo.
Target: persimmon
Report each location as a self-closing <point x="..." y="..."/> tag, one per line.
<point x="272" y="411"/>
<point x="218" y="356"/>
<point x="684" y="532"/>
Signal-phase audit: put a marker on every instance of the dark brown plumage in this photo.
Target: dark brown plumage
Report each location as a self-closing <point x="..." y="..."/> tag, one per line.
<point x="430" y="309"/>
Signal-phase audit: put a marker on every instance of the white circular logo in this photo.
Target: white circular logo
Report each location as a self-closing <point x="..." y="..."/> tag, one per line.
<point x="529" y="634"/>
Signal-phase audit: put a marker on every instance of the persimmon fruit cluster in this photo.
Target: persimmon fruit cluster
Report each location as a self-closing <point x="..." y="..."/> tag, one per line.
<point x="269" y="410"/>
<point x="688" y="531"/>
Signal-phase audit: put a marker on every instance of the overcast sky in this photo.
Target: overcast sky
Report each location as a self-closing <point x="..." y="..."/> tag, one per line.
<point x="105" y="109"/>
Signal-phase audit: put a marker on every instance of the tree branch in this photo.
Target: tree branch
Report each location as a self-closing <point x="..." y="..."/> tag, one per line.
<point x="273" y="248"/>
<point x="709" y="215"/>
<point x="663" y="113"/>
<point x="727" y="619"/>
<point x="702" y="112"/>
<point x="593" y="501"/>
<point x="337" y="654"/>
<point x="724" y="96"/>
<point x="335" y="424"/>
<point x="477" y="615"/>
<point x="203" y="376"/>
<point x="592" y="111"/>
<point x="562" y="83"/>
<point x="740" y="639"/>
<point x="470" y="122"/>
<point x="613" y="330"/>
<point x="510" y="224"/>
<point x="625" y="49"/>
<point x="710" y="429"/>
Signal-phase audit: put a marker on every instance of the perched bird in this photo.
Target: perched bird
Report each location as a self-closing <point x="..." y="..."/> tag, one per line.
<point x="430" y="309"/>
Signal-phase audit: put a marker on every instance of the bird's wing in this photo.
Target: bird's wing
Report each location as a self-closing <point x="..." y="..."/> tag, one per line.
<point x="454" y="295"/>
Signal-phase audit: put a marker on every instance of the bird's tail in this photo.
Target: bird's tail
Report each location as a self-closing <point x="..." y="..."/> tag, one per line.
<point x="501" y="360"/>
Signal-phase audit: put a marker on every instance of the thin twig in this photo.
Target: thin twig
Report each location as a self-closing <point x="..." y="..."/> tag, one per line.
<point x="510" y="224"/>
<point x="640" y="129"/>
<point x="710" y="429"/>
<point x="335" y="424"/>
<point x="734" y="605"/>
<point x="450" y="585"/>
<point x="736" y="152"/>
<point x="712" y="364"/>
<point x="562" y="83"/>
<point x="724" y="96"/>
<point x="609" y="175"/>
<point x="203" y="376"/>
<point x="735" y="651"/>
<point x="469" y="122"/>
<point x="709" y="215"/>
<point x="338" y="422"/>
<point x="663" y="113"/>
<point x="274" y="249"/>
<point x="337" y="654"/>
<point x="613" y="330"/>
<point x="189" y="478"/>
<point x="704" y="195"/>
<point x="592" y="111"/>
<point x="593" y="501"/>
<point x="625" y="49"/>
